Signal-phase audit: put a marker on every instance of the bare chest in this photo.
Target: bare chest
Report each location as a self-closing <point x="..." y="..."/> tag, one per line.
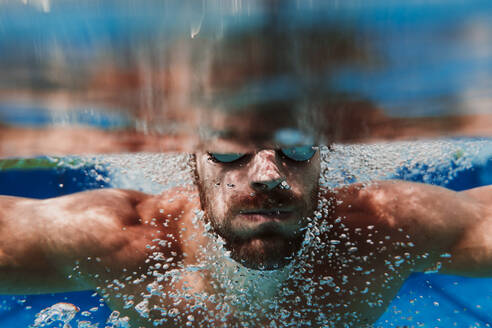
<point x="260" y="300"/>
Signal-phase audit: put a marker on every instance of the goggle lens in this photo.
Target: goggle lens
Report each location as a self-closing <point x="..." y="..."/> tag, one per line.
<point x="298" y="154"/>
<point x="227" y="157"/>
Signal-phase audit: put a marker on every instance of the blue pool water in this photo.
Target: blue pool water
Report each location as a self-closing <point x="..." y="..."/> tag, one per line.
<point x="428" y="58"/>
<point x="433" y="300"/>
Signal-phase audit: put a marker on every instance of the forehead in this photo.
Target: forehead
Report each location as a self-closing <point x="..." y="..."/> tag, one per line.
<point x="282" y="138"/>
<point x="221" y="145"/>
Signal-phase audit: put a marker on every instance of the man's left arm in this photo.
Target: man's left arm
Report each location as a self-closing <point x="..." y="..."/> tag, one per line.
<point x="454" y="228"/>
<point x="472" y="253"/>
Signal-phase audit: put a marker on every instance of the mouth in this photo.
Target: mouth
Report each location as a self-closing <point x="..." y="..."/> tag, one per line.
<point x="264" y="215"/>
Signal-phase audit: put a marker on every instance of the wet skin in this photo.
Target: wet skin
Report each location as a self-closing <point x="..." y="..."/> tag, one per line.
<point x="119" y="241"/>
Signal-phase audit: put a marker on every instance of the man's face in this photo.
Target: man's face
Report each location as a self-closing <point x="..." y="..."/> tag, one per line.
<point x="258" y="203"/>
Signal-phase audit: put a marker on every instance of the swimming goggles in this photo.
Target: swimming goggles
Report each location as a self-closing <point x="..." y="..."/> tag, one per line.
<point x="297" y="154"/>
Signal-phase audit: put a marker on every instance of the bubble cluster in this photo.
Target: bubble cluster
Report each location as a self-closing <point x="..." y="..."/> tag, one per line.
<point x="61" y="312"/>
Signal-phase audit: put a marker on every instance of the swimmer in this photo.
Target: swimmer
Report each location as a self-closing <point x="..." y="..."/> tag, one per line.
<point x="257" y="204"/>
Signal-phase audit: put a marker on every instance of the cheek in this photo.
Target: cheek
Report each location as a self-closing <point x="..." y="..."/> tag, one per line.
<point x="304" y="183"/>
<point x="302" y="179"/>
<point x="230" y="185"/>
<point x="229" y="189"/>
<point x="219" y="191"/>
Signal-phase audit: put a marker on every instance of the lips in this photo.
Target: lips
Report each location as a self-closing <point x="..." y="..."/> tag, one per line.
<point x="279" y="214"/>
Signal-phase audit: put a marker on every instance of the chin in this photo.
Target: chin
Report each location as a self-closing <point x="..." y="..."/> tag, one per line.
<point x="266" y="253"/>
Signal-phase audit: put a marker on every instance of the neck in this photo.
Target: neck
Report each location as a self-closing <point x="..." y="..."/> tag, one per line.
<point x="249" y="285"/>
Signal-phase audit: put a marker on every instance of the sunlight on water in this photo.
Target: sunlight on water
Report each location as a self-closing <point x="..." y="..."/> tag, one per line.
<point x="344" y="296"/>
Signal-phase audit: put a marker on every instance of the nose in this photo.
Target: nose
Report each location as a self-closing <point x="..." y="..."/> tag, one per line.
<point x="265" y="172"/>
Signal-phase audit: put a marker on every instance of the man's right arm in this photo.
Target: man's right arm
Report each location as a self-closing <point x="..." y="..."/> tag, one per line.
<point x="45" y="242"/>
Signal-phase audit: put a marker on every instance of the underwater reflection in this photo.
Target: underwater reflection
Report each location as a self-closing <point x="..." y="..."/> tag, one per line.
<point x="354" y="123"/>
<point x="347" y="72"/>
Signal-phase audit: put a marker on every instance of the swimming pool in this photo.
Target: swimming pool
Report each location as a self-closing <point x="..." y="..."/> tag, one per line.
<point x="425" y="300"/>
<point x="405" y="58"/>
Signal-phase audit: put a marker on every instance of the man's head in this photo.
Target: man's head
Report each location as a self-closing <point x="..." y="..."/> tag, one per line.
<point x="258" y="200"/>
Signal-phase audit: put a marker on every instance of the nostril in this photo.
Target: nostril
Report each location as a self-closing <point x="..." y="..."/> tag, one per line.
<point x="259" y="186"/>
<point x="266" y="185"/>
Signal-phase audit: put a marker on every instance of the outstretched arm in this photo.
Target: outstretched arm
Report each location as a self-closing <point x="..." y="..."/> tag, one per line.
<point x="42" y="241"/>
<point x="472" y="254"/>
<point x="436" y="220"/>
